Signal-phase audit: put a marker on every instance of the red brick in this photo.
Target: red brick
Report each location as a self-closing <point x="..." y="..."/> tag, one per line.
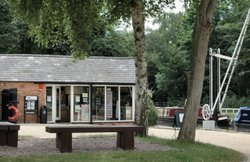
<point x="25" y="89"/>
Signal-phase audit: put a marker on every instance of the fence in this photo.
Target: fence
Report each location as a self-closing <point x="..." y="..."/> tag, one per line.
<point x="229" y="110"/>
<point x="163" y="111"/>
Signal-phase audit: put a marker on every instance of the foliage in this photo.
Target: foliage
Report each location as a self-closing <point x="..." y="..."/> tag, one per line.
<point x="15" y="39"/>
<point x="74" y="21"/>
<point x="152" y="113"/>
<point x="8" y="30"/>
<point x="113" y="43"/>
<point x="152" y="116"/>
<point x="230" y="18"/>
<point x="171" y="64"/>
<point x="175" y="151"/>
<point x="233" y="101"/>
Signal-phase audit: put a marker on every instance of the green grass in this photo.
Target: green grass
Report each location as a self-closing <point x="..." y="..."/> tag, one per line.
<point x="179" y="151"/>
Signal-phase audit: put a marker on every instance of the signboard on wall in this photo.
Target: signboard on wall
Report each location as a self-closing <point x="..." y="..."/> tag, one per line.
<point x="109" y="112"/>
<point x="30" y="106"/>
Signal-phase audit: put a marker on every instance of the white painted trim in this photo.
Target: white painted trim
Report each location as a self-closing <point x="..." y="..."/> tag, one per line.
<point x="72" y="103"/>
<point x="90" y="104"/>
<point x="59" y="108"/>
<point x="119" y="103"/>
<point x="105" y="103"/>
<point x="133" y="103"/>
<point x="117" y="85"/>
<point x="53" y="103"/>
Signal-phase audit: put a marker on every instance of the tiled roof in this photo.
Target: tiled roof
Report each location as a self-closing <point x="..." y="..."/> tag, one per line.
<point x="62" y="69"/>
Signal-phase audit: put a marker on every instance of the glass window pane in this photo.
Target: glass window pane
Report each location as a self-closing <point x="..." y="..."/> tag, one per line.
<point x="49" y="103"/>
<point x="98" y="100"/>
<point x="112" y="107"/>
<point x="126" y="103"/>
<point x="81" y="103"/>
<point x="65" y="104"/>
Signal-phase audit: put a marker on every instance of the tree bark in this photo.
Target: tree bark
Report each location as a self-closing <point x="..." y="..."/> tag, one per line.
<point x="141" y="117"/>
<point x="200" y="39"/>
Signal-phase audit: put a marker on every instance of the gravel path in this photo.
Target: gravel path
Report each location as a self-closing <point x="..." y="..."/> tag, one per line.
<point x="27" y="146"/>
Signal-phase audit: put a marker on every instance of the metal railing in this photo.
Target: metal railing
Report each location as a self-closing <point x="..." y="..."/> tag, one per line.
<point x="229" y="110"/>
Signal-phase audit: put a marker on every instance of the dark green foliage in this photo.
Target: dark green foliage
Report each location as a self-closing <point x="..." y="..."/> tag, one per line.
<point x="118" y="44"/>
<point x="171" y="64"/>
<point x="74" y="22"/>
<point x="230" y="18"/>
<point x="15" y="38"/>
<point x="152" y="113"/>
<point x="8" y="30"/>
<point x="152" y="116"/>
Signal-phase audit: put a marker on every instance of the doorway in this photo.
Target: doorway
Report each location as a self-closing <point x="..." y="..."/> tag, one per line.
<point x="58" y="103"/>
<point x="63" y="104"/>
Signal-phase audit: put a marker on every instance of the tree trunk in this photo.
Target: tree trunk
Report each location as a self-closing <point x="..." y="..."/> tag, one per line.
<point x="141" y="117"/>
<point x="200" y="39"/>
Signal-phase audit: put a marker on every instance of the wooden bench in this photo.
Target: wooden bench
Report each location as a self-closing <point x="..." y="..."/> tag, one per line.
<point x="125" y="134"/>
<point x="9" y="134"/>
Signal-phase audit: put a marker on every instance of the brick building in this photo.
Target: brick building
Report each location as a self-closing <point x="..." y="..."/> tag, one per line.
<point x="96" y="89"/>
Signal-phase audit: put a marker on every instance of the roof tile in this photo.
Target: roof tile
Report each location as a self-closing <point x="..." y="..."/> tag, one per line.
<point x="62" y="69"/>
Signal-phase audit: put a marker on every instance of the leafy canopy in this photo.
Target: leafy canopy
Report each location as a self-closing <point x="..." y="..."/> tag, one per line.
<point x="50" y="22"/>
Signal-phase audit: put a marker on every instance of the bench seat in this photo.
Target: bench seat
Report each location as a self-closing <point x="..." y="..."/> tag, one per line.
<point x="9" y="134"/>
<point x="125" y="134"/>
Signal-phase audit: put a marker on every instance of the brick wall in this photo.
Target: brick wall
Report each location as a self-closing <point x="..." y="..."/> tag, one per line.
<point x="25" y="89"/>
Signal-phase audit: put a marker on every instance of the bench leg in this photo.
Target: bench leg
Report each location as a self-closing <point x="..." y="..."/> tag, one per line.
<point x="12" y="138"/>
<point x="3" y="137"/>
<point x="120" y="140"/>
<point x="64" y="141"/>
<point x="125" y="140"/>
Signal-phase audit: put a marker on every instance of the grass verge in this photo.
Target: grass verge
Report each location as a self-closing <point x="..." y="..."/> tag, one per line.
<point x="180" y="151"/>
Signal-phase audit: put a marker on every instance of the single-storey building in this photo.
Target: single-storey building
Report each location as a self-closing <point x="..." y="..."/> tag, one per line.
<point x="96" y="89"/>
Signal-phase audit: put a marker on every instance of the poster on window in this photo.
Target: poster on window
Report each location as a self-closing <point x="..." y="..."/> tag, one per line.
<point x="109" y="112"/>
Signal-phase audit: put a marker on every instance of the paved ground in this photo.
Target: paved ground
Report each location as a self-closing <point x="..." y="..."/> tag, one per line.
<point x="235" y="140"/>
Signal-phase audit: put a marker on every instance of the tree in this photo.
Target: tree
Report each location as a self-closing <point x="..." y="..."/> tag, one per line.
<point x="112" y="43"/>
<point x="171" y="64"/>
<point x="75" y="20"/>
<point x="230" y="18"/>
<point x="14" y="35"/>
<point x="200" y="38"/>
<point x="8" y="30"/>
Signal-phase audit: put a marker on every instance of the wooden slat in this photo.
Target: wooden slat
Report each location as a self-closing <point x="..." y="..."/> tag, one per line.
<point x="78" y="129"/>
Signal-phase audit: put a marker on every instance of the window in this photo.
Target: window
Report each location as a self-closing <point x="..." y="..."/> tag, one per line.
<point x="126" y="103"/>
<point x="81" y="103"/>
<point x="112" y="103"/>
<point x="98" y="101"/>
<point x="49" y="103"/>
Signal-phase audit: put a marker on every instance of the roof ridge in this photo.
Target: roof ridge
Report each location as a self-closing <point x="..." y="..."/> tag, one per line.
<point x="69" y="56"/>
<point x="35" y="55"/>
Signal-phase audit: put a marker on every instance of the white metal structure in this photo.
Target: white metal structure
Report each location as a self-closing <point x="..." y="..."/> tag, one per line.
<point x="207" y="110"/>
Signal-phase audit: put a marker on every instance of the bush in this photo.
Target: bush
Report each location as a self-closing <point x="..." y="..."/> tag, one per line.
<point x="152" y="114"/>
<point x="234" y="101"/>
